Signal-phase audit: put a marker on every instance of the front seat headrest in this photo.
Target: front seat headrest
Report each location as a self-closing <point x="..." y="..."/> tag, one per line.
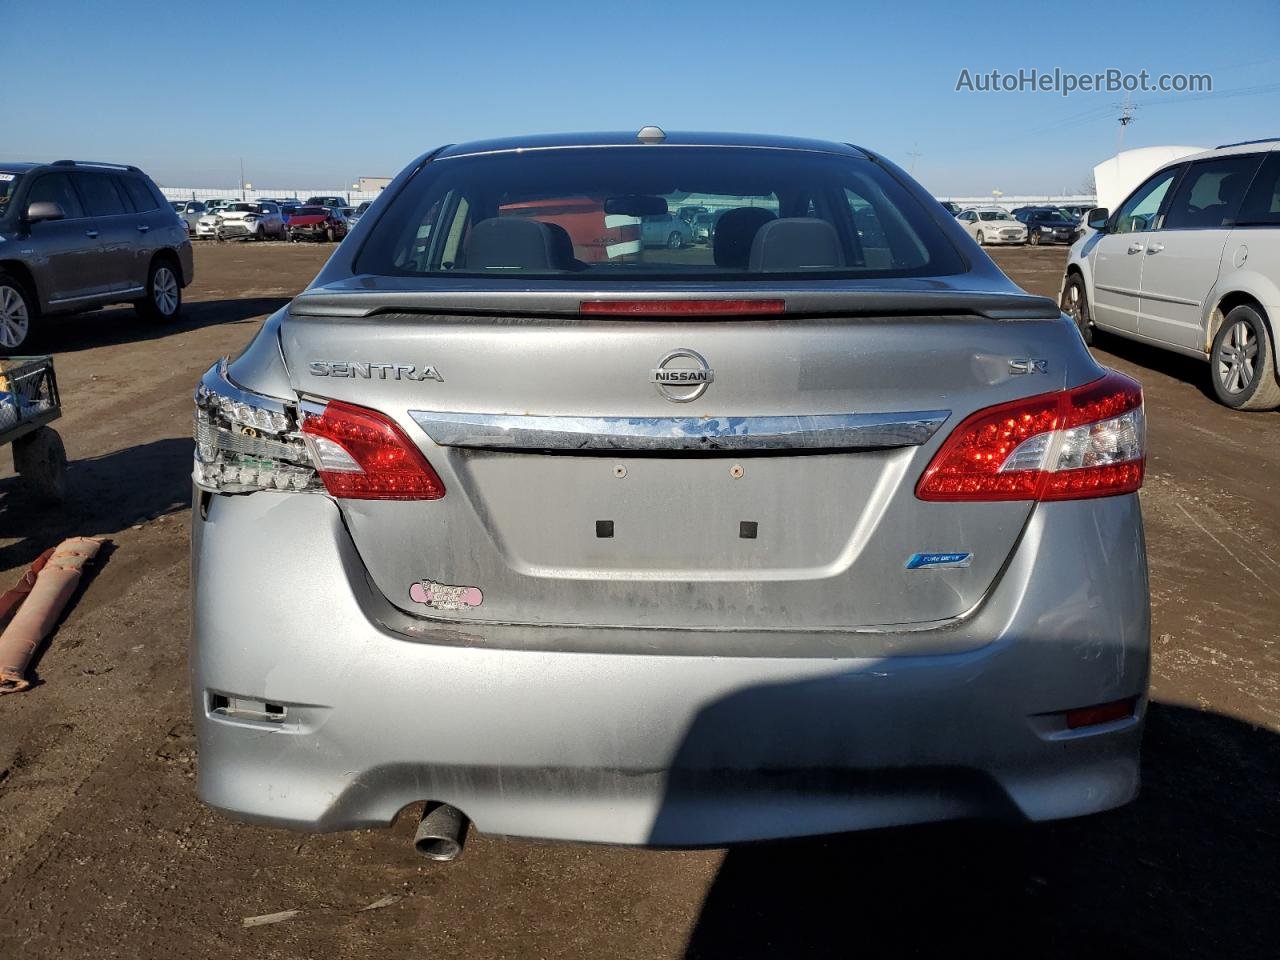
<point x="796" y="243"/>
<point x="562" y="248"/>
<point x="511" y="243"/>
<point x="734" y="231"/>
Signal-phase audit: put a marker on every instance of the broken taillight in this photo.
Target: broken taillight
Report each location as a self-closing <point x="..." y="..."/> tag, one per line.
<point x="362" y="455"/>
<point x="1086" y="442"/>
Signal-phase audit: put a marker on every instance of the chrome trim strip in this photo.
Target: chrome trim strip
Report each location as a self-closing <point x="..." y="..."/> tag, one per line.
<point x="1122" y="290"/>
<point x="100" y="295"/>
<point x="1163" y="298"/>
<point x="832" y="431"/>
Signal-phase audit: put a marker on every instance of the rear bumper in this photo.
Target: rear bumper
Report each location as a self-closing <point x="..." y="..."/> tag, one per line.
<point x="656" y="745"/>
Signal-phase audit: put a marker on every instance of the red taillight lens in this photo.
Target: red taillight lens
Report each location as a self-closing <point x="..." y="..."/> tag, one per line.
<point x="677" y="308"/>
<point x="1086" y="442"/>
<point x="362" y="455"/>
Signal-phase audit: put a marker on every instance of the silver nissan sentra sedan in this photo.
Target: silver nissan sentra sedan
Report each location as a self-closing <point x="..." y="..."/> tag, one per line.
<point x="820" y="527"/>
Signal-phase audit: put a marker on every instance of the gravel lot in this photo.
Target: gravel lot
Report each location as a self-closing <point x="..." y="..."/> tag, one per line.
<point x="104" y="851"/>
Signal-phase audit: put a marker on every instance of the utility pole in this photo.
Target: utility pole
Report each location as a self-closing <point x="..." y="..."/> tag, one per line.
<point x="1125" y="118"/>
<point x="914" y="154"/>
<point x="241" y="190"/>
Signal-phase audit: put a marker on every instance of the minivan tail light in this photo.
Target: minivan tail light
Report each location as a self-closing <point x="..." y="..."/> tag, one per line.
<point x="362" y="455"/>
<point x="1089" y="441"/>
<point x="682" y="308"/>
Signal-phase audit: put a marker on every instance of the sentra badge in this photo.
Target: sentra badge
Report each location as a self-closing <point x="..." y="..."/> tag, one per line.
<point x="373" y="371"/>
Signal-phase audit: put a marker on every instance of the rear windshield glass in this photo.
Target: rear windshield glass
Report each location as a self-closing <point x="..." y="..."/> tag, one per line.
<point x="612" y="213"/>
<point x="311" y="211"/>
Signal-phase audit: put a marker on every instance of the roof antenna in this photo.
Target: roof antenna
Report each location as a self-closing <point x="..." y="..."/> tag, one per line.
<point x="651" y="134"/>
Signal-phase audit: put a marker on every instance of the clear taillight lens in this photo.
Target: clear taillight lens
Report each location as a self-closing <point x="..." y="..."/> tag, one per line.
<point x="1085" y="442"/>
<point x="246" y="442"/>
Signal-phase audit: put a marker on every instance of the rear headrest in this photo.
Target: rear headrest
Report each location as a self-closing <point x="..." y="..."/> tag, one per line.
<point x="796" y="243"/>
<point x="735" y="229"/>
<point x="562" y="248"/>
<point x="511" y="243"/>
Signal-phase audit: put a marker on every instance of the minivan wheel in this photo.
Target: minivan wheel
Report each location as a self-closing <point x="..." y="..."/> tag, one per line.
<point x="1076" y="305"/>
<point x="164" y="294"/>
<point x="1242" y="362"/>
<point x="16" y="313"/>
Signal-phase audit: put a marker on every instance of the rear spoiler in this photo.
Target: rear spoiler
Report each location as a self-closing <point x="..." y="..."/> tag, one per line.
<point x="559" y="302"/>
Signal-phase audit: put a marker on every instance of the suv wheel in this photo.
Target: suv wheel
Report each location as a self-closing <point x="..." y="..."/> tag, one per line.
<point x="1242" y="362"/>
<point x="261" y="233"/>
<point x="1076" y="305"/>
<point x="16" y="312"/>
<point x="164" y="294"/>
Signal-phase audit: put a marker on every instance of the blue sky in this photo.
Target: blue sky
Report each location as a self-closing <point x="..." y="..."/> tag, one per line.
<point x="319" y="93"/>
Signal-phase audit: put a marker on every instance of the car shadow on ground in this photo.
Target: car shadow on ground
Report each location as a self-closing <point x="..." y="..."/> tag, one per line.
<point x="100" y="328"/>
<point x="106" y="495"/>
<point x="1190" y="869"/>
<point x="1187" y="369"/>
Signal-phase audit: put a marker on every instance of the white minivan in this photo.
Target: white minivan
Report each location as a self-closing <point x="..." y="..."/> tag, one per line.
<point x="1191" y="262"/>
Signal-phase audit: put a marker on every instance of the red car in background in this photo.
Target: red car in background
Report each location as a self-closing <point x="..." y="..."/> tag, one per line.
<point x="316" y="223"/>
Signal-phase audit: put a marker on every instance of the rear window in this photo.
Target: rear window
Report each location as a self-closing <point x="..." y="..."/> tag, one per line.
<point x="582" y="212"/>
<point x="311" y="211"/>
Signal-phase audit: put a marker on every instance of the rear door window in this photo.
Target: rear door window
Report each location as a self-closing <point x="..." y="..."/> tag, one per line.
<point x="56" y="188"/>
<point x="1211" y="192"/>
<point x="1261" y="205"/>
<point x="100" y="196"/>
<point x="139" y="194"/>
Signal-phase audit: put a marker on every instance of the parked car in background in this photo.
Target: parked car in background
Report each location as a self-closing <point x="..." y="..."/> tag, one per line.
<point x="1076" y="210"/>
<point x="249" y="220"/>
<point x="77" y="236"/>
<point x="665" y="230"/>
<point x="992" y="225"/>
<point x="658" y="549"/>
<point x="1049" y="225"/>
<point x="689" y="212"/>
<point x="332" y="202"/>
<point x="354" y="216"/>
<point x="950" y="207"/>
<point x="704" y="226"/>
<point x="1190" y="261"/>
<point x="190" y="211"/>
<point x="310" y="222"/>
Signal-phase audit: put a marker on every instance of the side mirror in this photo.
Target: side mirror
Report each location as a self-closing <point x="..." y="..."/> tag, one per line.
<point x="44" y="210"/>
<point x="1098" y="217"/>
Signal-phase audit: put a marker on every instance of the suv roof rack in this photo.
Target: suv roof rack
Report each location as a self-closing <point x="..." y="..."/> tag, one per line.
<point x="1246" y="143"/>
<point x="95" y="163"/>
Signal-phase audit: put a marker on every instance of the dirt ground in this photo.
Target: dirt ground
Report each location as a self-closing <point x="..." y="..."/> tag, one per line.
<point x="104" y="851"/>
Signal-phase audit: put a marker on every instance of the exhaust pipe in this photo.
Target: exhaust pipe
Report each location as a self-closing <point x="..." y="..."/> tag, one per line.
<point x="442" y="832"/>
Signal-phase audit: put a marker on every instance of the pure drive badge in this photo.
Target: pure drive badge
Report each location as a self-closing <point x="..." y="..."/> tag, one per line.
<point x="373" y="371"/>
<point x="932" y="561"/>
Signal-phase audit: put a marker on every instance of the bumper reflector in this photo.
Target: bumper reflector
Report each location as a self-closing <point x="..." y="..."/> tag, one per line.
<point x="1101" y="713"/>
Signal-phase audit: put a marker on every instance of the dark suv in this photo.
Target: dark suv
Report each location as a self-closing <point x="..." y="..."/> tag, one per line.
<point x="77" y="236"/>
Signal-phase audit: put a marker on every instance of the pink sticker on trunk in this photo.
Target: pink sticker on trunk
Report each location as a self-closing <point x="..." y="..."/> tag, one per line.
<point x="444" y="596"/>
